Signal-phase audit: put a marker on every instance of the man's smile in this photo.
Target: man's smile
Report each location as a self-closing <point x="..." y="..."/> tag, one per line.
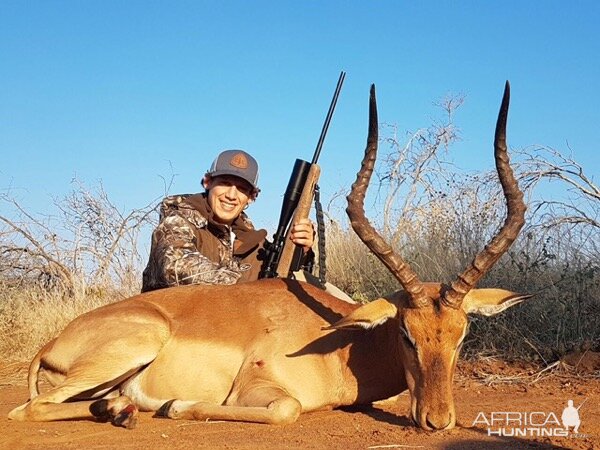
<point x="227" y="205"/>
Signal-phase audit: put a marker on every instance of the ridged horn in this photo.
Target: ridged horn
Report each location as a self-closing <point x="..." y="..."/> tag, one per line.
<point x="515" y="216"/>
<point x="365" y="231"/>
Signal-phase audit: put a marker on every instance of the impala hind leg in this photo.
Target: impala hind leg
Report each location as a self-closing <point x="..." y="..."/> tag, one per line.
<point x="54" y="404"/>
<point x="49" y="406"/>
<point x="264" y="404"/>
<point x="87" y="381"/>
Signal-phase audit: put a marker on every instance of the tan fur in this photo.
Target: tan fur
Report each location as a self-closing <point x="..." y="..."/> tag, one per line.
<point x="253" y="352"/>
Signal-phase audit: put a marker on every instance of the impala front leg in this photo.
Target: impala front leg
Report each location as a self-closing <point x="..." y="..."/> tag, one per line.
<point x="261" y="404"/>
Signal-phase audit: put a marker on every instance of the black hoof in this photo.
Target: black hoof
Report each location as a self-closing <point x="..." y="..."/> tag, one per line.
<point x="163" y="411"/>
<point x="126" y="417"/>
<point x="100" y="409"/>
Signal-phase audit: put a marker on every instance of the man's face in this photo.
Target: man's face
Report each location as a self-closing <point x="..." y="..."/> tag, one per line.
<point x="227" y="196"/>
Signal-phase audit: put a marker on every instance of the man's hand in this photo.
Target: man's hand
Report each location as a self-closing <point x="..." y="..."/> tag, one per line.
<point x="303" y="234"/>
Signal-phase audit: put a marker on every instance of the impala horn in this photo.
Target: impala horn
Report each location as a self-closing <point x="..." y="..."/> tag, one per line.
<point x="365" y="231"/>
<point x="515" y="217"/>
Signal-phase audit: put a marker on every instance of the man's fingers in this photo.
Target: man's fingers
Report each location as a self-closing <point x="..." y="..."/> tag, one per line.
<point x="303" y="233"/>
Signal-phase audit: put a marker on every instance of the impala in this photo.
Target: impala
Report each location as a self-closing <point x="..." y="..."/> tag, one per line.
<point x="270" y="350"/>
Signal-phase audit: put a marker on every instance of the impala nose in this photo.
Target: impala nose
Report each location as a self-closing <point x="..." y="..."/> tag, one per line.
<point x="439" y="421"/>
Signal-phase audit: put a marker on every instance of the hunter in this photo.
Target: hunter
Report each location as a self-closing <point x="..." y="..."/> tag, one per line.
<point x="207" y="238"/>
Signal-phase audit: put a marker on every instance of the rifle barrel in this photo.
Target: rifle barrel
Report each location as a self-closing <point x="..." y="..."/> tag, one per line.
<point x="336" y="94"/>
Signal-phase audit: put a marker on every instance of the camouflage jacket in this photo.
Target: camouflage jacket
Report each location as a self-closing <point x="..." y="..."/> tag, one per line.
<point x="188" y="247"/>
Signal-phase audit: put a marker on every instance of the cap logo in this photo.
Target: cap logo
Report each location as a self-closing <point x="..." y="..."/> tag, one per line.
<point x="239" y="160"/>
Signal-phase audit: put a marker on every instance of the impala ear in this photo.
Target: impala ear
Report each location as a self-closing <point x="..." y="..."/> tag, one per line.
<point x="488" y="302"/>
<point x="367" y="316"/>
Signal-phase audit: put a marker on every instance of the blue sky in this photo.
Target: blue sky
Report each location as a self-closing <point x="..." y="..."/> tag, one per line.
<point x="130" y="92"/>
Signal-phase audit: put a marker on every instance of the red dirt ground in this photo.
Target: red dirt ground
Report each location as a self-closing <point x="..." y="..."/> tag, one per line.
<point x="382" y="426"/>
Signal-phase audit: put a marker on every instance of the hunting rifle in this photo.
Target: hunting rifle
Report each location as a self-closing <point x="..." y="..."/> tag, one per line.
<point x="281" y="256"/>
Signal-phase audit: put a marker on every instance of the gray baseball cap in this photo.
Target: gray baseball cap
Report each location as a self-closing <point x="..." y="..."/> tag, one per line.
<point x="237" y="163"/>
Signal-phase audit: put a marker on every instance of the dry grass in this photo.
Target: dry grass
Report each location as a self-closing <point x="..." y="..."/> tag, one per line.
<point x="30" y="317"/>
<point x="561" y="317"/>
<point x="54" y="268"/>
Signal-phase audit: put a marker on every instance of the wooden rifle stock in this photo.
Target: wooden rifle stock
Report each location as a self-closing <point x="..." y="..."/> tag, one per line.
<point x="283" y="256"/>
<point x="302" y="211"/>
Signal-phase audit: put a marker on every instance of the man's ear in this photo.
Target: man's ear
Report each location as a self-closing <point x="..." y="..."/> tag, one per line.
<point x="488" y="302"/>
<point x="367" y="316"/>
<point x="206" y="181"/>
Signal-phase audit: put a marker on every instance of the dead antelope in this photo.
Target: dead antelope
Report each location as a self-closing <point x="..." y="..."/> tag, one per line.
<point x="269" y="350"/>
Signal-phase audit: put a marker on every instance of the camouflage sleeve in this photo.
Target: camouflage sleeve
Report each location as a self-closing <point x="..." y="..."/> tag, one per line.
<point x="175" y="258"/>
